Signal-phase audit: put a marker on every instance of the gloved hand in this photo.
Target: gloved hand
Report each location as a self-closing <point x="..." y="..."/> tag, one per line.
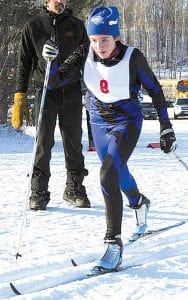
<point x="59" y="78"/>
<point x="20" y="110"/>
<point x="167" y="138"/>
<point x="50" y="50"/>
<point x="54" y="80"/>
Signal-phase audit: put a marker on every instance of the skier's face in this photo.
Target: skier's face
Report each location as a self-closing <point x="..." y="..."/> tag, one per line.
<point x="103" y="45"/>
<point x="56" y="6"/>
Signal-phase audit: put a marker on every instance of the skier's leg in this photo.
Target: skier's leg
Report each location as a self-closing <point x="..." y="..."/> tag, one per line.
<point x="128" y="185"/>
<point x="106" y="149"/>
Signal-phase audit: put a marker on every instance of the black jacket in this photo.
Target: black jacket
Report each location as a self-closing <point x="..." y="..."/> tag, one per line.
<point x="69" y="33"/>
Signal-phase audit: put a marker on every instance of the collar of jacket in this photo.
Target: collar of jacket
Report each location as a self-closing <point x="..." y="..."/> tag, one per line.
<point x="66" y="13"/>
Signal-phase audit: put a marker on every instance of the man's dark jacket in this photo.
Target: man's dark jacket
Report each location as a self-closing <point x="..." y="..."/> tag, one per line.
<point x="69" y="32"/>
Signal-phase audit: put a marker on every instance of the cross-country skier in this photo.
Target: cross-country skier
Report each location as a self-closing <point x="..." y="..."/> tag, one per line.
<point x="114" y="73"/>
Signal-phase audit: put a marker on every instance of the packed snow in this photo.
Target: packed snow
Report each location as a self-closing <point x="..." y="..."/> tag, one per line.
<point x="48" y="240"/>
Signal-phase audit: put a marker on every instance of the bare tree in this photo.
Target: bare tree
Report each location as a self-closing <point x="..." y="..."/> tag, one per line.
<point x="12" y="16"/>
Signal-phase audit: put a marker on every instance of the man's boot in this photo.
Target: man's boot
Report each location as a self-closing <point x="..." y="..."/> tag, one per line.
<point x="39" y="200"/>
<point x="75" y="192"/>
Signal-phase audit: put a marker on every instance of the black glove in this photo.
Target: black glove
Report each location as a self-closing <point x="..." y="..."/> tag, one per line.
<point x="167" y="138"/>
<point x="70" y="73"/>
<point x="59" y="79"/>
<point x="55" y="80"/>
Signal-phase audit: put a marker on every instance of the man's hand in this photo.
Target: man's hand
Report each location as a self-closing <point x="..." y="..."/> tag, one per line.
<point x="167" y="138"/>
<point x="50" y="50"/>
<point x="20" y="110"/>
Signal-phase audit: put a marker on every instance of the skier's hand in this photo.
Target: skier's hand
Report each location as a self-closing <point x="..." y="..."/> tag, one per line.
<point x="20" y="110"/>
<point x="167" y="138"/>
<point x="59" y="79"/>
<point x="55" y="80"/>
<point x="50" y="50"/>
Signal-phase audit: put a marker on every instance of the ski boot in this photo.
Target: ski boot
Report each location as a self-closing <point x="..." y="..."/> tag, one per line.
<point x="111" y="259"/>
<point x="140" y="217"/>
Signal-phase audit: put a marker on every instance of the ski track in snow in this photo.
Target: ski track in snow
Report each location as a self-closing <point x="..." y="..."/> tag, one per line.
<point x="51" y="238"/>
<point x="34" y="282"/>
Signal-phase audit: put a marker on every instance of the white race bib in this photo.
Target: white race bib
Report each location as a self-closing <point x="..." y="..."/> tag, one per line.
<point x="108" y="84"/>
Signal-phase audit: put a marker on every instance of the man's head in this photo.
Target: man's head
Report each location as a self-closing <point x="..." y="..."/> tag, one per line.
<point x="56" y="6"/>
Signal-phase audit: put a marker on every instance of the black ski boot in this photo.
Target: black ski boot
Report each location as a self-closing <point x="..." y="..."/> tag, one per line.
<point x="39" y="200"/>
<point x="75" y="192"/>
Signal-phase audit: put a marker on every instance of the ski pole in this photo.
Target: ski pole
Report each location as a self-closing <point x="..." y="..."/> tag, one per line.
<point x="180" y="160"/>
<point x="47" y="73"/>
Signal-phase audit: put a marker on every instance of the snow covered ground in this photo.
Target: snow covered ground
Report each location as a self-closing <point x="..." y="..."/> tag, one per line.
<point x="51" y="238"/>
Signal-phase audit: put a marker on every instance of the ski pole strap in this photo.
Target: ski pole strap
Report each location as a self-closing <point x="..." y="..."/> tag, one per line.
<point x="165" y="131"/>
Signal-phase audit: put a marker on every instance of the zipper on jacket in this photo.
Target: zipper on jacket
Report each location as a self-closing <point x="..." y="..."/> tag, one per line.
<point x="54" y="38"/>
<point x="53" y="33"/>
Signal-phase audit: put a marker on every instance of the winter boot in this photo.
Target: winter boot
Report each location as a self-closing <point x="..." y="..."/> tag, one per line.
<point x="76" y="195"/>
<point x="75" y="192"/>
<point x="140" y="216"/>
<point x="112" y="257"/>
<point x="39" y="200"/>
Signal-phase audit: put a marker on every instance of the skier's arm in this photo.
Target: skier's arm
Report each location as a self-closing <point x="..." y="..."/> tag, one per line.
<point x="76" y="59"/>
<point x="151" y="84"/>
<point x="148" y="80"/>
<point x="71" y="70"/>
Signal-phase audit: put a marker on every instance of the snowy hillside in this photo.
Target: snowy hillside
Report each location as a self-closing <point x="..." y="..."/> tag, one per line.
<point x="51" y="238"/>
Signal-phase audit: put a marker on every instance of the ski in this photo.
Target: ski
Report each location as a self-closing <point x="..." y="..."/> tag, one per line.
<point x="83" y="276"/>
<point x="147" y="234"/>
<point x="55" y="281"/>
<point x="82" y="271"/>
<point x="151" y="233"/>
<point x="97" y="271"/>
<point x="14" y="289"/>
<point x="17" y="292"/>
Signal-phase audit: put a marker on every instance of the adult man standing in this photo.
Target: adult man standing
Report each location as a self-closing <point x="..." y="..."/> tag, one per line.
<point x="57" y="25"/>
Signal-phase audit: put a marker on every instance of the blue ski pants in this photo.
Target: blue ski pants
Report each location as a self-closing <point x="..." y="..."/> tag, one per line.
<point x="116" y="128"/>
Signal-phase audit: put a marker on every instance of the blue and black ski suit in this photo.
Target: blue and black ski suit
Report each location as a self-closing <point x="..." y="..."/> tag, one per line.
<point x="116" y="126"/>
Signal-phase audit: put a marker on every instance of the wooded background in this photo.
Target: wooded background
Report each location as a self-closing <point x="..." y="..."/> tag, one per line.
<point x="159" y="28"/>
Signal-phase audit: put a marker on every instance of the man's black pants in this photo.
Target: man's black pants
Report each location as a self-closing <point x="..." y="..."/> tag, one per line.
<point x="67" y="106"/>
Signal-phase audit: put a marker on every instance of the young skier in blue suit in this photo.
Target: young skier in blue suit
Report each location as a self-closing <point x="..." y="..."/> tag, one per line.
<point x="114" y="73"/>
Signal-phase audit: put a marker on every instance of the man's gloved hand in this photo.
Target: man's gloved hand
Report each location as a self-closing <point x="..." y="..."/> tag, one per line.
<point x="167" y="138"/>
<point x="20" y="110"/>
<point x="50" y="50"/>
